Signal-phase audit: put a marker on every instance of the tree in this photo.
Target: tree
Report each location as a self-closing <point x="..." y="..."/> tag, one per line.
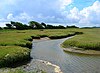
<point x="60" y="27"/>
<point x="19" y="26"/>
<point x="0" y="28"/>
<point x="50" y="26"/>
<point x="9" y="26"/>
<point x="13" y="23"/>
<point x="34" y="24"/>
<point x="73" y="26"/>
<point x="43" y="25"/>
<point x="26" y="26"/>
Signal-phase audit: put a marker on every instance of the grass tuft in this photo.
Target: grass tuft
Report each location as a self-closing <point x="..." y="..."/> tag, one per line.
<point x="90" y="40"/>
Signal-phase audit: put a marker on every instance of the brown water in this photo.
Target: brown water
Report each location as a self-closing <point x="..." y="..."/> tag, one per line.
<point x="51" y="51"/>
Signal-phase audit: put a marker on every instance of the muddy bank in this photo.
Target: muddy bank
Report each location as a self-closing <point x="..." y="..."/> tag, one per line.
<point x="36" y="66"/>
<point x="78" y="51"/>
<point x="41" y="65"/>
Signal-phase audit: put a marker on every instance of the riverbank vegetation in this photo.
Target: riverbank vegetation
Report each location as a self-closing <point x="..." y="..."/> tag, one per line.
<point x="17" y="70"/>
<point x="12" y="55"/>
<point x="90" y="40"/>
<point x="15" y="43"/>
<point x="15" y="39"/>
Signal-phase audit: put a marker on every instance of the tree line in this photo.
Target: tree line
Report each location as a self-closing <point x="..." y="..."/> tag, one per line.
<point x="33" y="25"/>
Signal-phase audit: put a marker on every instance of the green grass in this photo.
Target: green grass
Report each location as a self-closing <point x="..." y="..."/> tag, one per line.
<point x="90" y="40"/>
<point x="9" y="55"/>
<point x="13" y="42"/>
<point x="21" y="37"/>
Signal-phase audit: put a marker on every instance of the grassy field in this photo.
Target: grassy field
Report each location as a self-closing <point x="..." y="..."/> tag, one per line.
<point x="11" y="55"/>
<point x="14" y="44"/>
<point x="90" y="40"/>
<point x="21" y="37"/>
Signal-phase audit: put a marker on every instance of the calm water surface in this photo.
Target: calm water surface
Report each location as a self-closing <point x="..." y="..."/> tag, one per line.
<point x="50" y="50"/>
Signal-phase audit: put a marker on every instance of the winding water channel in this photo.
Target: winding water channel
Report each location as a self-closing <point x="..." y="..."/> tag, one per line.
<point x="50" y="50"/>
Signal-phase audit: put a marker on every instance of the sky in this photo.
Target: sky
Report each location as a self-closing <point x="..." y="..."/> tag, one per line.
<point x="82" y="13"/>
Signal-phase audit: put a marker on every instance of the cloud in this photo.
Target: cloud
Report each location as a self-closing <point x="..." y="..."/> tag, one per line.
<point x="21" y="10"/>
<point x="89" y="15"/>
<point x="63" y="3"/>
<point x="23" y="17"/>
<point x="73" y="16"/>
<point x="10" y="16"/>
<point x="49" y="11"/>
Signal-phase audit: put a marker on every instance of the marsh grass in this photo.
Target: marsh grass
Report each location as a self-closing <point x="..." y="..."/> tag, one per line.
<point x="17" y="70"/>
<point x="10" y="55"/>
<point x="90" y="40"/>
<point x="14" y="42"/>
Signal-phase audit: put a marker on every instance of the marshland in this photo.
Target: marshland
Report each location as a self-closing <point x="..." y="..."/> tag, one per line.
<point x="49" y="36"/>
<point x="16" y="44"/>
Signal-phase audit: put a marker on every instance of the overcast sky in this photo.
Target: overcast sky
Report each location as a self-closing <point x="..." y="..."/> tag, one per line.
<point x="68" y="12"/>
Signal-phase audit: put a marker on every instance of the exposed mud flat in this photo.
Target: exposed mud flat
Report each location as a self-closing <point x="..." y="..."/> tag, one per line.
<point x="37" y="66"/>
<point x="41" y="65"/>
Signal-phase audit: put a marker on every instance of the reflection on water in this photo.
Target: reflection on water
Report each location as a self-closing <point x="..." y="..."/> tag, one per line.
<point x="51" y="51"/>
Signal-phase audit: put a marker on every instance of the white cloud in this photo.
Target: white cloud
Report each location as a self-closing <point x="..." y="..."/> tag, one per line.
<point x="74" y="15"/>
<point x="2" y="24"/>
<point x="2" y="19"/>
<point x="63" y="3"/>
<point x="24" y="17"/>
<point x="89" y="15"/>
<point x="21" y="17"/>
<point x="50" y="11"/>
<point x="10" y="16"/>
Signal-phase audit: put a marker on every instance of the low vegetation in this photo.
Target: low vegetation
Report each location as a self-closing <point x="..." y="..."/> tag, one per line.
<point x="11" y="55"/>
<point x="13" y="43"/>
<point x="16" y="70"/>
<point x="90" y="40"/>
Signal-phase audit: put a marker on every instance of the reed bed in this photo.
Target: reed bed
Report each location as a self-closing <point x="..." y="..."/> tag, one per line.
<point x="90" y="40"/>
<point x="15" y="43"/>
<point x="11" y="55"/>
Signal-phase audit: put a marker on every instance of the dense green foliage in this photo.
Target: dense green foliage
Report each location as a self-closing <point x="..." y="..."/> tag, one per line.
<point x="34" y="25"/>
<point x="89" y="40"/>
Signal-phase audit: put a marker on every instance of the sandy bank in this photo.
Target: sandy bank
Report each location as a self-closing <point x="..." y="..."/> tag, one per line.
<point x="78" y="51"/>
